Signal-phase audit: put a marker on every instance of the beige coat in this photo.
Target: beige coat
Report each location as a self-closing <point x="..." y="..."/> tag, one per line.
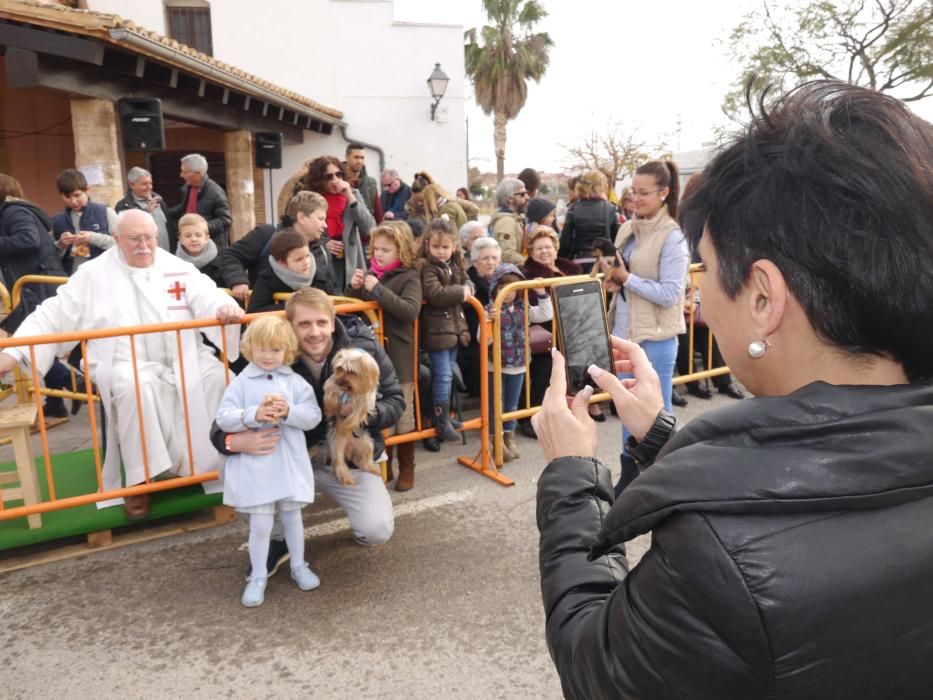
<point x="647" y="320"/>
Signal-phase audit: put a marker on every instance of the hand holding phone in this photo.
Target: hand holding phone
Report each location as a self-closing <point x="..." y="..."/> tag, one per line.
<point x="638" y="400"/>
<point x="564" y="430"/>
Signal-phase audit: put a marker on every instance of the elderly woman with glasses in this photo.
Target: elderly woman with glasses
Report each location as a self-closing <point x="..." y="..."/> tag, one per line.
<point x="348" y="220"/>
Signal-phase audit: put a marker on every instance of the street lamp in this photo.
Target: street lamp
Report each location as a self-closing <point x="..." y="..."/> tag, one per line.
<point x="437" y="84"/>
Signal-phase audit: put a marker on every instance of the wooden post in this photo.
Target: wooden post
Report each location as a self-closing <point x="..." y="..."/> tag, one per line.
<point x="97" y="155"/>
<point x="238" y="155"/>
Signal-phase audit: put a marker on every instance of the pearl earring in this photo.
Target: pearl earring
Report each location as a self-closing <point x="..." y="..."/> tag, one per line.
<point x="758" y="348"/>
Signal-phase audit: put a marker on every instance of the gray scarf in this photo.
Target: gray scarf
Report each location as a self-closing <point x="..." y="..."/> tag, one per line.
<point x="292" y="280"/>
<point x="201" y="259"/>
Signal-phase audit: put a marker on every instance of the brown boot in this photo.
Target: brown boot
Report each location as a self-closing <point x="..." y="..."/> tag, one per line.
<point x="406" y="466"/>
<point x="509" y="451"/>
<point x="390" y="452"/>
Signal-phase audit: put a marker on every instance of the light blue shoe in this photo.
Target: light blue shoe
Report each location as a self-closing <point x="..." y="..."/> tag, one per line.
<point x="255" y="593"/>
<point x="306" y="579"/>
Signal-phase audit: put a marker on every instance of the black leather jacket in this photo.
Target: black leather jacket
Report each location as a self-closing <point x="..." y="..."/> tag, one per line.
<point x="587" y="220"/>
<point x="791" y="555"/>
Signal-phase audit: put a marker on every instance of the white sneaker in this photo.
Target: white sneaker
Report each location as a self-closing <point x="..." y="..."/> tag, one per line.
<point x="255" y="593"/>
<point x="306" y="579"/>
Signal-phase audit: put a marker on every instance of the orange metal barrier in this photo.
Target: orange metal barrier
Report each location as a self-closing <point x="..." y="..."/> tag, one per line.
<point x="22" y="383"/>
<point x="481" y="463"/>
<point x="5" y="304"/>
<point x="498" y="418"/>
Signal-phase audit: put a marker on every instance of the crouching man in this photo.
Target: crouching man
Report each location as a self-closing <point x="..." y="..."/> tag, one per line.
<point x="320" y="336"/>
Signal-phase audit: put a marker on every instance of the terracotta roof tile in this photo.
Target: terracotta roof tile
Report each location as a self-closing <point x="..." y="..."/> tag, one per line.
<point x="97" y="24"/>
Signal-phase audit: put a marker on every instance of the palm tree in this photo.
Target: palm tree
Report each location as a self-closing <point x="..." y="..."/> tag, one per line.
<point x="510" y="54"/>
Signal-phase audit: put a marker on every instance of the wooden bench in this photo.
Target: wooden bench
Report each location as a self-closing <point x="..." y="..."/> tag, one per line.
<point x="15" y="424"/>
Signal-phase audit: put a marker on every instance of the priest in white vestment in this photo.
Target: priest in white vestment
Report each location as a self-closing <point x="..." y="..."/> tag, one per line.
<point x="137" y="283"/>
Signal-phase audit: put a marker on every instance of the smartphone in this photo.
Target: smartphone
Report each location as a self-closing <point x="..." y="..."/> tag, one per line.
<point x="582" y="330"/>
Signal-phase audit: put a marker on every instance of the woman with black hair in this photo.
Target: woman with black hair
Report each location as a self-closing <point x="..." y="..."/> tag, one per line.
<point x="791" y="533"/>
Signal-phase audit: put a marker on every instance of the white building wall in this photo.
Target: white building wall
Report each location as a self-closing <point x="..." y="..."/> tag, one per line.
<point x="350" y="55"/>
<point x="384" y="91"/>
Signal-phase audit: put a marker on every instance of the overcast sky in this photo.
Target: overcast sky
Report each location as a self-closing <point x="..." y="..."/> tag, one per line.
<point x="660" y="68"/>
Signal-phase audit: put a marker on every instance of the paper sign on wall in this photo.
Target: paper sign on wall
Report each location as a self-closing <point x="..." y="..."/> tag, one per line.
<point x="94" y="174"/>
<point x="247" y="186"/>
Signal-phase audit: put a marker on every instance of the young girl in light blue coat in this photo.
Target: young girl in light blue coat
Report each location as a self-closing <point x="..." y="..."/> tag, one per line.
<point x="268" y="393"/>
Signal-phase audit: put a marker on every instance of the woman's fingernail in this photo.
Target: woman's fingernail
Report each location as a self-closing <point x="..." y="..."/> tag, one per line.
<point x="553" y="352"/>
<point x="594" y="371"/>
<point x="587" y="392"/>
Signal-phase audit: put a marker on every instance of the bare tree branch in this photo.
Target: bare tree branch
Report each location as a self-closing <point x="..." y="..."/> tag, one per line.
<point x="886" y="45"/>
<point x="615" y="152"/>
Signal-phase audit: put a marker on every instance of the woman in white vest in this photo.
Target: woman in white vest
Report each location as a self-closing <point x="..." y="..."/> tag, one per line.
<point x="648" y="307"/>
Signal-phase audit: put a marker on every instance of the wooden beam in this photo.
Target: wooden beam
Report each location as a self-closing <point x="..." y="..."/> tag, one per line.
<point x="22" y="68"/>
<point x="140" y="70"/>
<point x="173" y="80"/>
<point x="226" y="98"/>
<point x="52" y="43"/>
<point x="202" y="86"/>
<point x="246" y="102"/>
<point x="76" y="79"/>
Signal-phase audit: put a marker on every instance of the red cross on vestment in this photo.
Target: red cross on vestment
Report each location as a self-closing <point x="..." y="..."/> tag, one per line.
<point x="177" y="290"/>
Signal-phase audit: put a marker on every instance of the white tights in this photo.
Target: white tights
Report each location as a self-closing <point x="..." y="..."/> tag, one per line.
<point x="260" y="530"/>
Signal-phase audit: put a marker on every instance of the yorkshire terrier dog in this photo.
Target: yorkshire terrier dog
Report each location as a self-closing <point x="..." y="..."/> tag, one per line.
<point x="349" y="397"/>
<point x="604" y="248"/>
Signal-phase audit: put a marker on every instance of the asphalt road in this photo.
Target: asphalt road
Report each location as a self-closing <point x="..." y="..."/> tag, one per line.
<point x="450" y="607"/>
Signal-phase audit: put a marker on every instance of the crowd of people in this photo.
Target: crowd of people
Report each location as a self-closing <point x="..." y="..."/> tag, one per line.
<point x="416" y="249"/>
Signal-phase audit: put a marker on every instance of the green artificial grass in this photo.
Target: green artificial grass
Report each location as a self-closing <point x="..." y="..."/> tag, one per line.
<point x="73" y="474"/>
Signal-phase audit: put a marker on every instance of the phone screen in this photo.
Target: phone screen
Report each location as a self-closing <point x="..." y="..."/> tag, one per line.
<point x="581" y="318"/>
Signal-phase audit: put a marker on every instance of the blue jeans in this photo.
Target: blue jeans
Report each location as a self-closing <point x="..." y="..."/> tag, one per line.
<point x="663" y="356"/>
<point x="511" y="392"/>
<point x="442" y="371"/>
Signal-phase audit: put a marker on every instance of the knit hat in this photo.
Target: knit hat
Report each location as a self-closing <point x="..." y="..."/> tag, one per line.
<point x="538" y="208"/>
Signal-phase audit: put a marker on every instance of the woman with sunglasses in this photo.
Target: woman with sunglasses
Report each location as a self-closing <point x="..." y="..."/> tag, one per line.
<point x="348" y="220"/>
<point x="648" y="307"/>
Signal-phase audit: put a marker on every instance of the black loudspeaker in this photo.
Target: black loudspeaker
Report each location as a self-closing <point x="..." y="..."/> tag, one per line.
<point x="141" y="123"/>
<point x="268" y="149"/>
